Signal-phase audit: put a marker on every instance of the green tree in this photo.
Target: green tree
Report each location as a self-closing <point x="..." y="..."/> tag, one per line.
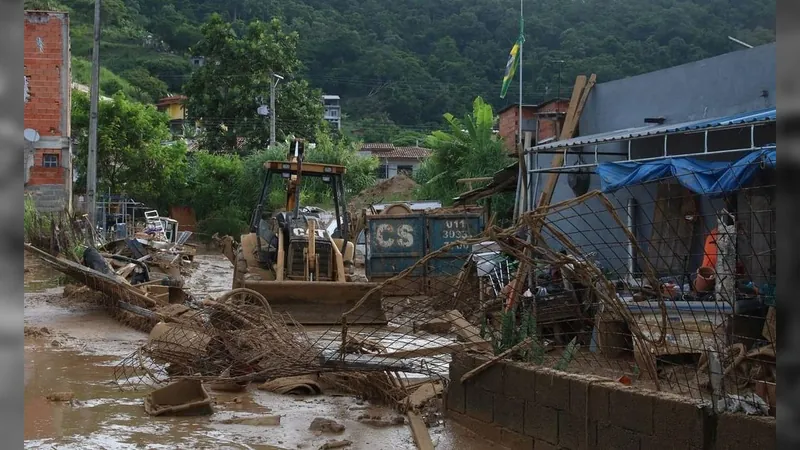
<point x="133" y="153"/>
<point x="225" y="93"/>
<point x="214" y="183"/>
<point x="468" y="149"/>
<point x="150" y="86"/>
<point x="361" y="172"/>
<point x="413" y="60"/>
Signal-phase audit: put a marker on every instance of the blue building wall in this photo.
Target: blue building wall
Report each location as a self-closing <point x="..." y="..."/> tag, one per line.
<point x="728" y="84"/>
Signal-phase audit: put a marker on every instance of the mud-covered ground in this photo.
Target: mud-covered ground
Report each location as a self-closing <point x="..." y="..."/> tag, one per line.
<point x="72" y="346"/>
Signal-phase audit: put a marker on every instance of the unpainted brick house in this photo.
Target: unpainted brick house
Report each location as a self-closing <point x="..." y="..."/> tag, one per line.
<point x="48" y="152"/>
<point x="543" y="120"/>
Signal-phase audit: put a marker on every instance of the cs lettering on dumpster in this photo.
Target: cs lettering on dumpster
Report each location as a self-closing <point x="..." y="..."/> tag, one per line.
<point x="386" y="235"/>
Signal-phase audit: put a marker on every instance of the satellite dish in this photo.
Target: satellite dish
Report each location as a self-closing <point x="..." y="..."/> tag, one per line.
<point x="263" y="110"/>
<point x="31" y="135"/>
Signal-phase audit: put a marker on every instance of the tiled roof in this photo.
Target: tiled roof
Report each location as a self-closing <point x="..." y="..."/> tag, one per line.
<point x="172" y="100"/>
<point x="389" y="151"/>
<point x="372" y="147"/>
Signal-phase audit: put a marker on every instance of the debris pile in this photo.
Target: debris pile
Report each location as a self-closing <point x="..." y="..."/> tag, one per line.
<point x="399" y="186"/>
<point x="552" y="291"/>
<point x="235" y="340"/>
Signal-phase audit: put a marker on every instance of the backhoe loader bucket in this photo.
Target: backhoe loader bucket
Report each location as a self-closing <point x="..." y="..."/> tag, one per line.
<point x="322" y="302"/>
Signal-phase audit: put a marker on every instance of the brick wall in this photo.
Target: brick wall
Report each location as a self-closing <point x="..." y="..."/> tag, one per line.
<point x="508" y="122"/>
<point x="47" y="107"/>
<point x="44" y="63"/>
<point x="541" y="409"/>
<point x="547" y="127"/>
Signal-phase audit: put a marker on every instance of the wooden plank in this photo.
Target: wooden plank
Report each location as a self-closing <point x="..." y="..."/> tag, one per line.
<point x="380" y="363"/>
<point x="422" y="394"/>
<point x="474" y="180"/>
<point x="428" y="351"/>
<point x="125" y="271"/>
<point x="580" y="94"/>
<point x="466" y="331"/>
<point x="419" y="431"/>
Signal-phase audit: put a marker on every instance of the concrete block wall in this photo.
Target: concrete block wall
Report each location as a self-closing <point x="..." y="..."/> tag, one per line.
<point x="49" y="197"/>
<point x="520" y="407"/>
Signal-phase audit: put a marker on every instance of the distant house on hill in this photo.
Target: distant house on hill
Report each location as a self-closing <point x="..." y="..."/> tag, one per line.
<point x="175" y="107"/>
<point x="395" y="160"/>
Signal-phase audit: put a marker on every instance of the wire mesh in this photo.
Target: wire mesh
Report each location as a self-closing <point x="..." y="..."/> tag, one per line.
<point x="652" y="285"/>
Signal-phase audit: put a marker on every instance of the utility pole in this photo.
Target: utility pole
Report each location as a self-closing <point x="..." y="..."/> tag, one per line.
<point x="273" y="83"/>
<point x="94" y="99"/>
<point x="560" y="65"/>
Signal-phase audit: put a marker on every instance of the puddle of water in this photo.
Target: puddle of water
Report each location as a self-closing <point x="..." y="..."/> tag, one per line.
<point x="38" y="276"/>
<point x="104" y="417"/>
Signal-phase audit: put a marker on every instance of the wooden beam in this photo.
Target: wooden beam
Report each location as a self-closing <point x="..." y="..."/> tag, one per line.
<point x="422" y="394"/>
<point x="420" y="432"/>
<point x="474" y="180"/>
<point x="427" y="351"/>
<point x="467" y="331"/>
<point x="579" y="96"/>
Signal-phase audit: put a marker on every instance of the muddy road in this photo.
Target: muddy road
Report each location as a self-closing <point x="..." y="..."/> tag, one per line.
<point x="72" y="346"/>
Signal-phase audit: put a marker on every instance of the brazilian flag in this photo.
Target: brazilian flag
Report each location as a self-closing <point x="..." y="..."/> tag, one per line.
<point x="513" y="60"/>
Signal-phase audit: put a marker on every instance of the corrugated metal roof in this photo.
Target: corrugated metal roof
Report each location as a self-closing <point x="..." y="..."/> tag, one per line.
<point x="764" y="115"/>
<point x="414" y="205"/>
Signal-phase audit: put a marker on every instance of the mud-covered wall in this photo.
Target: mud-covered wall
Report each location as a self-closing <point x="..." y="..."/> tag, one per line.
<point x="535" y="408"/>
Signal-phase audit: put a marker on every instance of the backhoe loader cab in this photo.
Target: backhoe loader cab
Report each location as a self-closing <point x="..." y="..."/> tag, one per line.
<point x="293" y="261"/>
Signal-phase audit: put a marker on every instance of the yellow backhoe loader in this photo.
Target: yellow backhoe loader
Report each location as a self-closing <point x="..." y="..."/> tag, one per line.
<point x="290" y="259"/>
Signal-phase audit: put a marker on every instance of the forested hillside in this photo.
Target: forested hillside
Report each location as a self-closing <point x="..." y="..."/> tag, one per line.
<point x="406" y="62"/>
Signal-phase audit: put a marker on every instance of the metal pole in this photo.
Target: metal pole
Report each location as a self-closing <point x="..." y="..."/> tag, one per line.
<point x="519" y="134"/>
<point x="559" y="80"/>
<point x="632" y="228"/>
<point x="272" y="84"/>
<point x="94" y="99"/>
<point x="521" y="185"/>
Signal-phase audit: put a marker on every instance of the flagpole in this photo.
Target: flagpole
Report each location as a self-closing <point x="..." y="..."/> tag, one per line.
<point x="519" y="137"/>
<point x="521" y="185"/>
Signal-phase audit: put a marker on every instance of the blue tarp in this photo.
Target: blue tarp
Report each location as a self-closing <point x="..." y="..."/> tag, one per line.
<point x="711" y="178"/>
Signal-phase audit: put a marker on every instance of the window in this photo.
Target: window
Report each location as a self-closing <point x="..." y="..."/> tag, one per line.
<point x="408" y="170"/>
<point x="383" y="171"/>
<point x="50" y="161"/>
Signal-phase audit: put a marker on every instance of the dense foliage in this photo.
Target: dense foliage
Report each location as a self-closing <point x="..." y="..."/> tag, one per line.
<point x="225" y="93"/>
<point x="405" y="62"/>
<point x="467" y="149"/>
<point x="134" y="155"/>
<point x="136" y="158"/>
<point x="224" y="188"/>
